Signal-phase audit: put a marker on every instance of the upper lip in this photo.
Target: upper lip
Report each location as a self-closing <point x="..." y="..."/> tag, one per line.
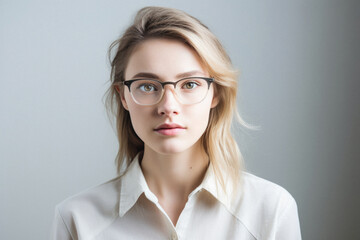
<point x="168" y="126"/>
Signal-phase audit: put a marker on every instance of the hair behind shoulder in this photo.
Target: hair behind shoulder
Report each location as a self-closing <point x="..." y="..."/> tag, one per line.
<point x="160" y="22"/>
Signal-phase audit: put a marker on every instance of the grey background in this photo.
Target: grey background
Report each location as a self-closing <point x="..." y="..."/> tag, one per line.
<point x="300" y="64"/>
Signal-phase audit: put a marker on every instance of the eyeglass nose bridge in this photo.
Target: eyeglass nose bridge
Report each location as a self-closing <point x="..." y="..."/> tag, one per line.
<point x="163" y="84"/>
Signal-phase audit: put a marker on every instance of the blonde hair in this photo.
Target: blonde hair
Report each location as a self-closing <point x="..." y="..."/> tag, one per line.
<point x="159" y="22"/>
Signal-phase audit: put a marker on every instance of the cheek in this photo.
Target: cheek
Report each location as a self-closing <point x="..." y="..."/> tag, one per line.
<point x="137" y="116"/>
<point x="140" y="119"/>
<point x="200" y="116"/>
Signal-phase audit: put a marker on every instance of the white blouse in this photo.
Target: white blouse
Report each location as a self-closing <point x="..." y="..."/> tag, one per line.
<point x="125" y="208"/>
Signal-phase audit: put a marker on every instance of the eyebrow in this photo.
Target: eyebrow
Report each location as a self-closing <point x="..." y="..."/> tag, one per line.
<point x="154" y="76"/>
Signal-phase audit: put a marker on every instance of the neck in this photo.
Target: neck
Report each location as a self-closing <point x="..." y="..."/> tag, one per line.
<point x="175" y="175"/>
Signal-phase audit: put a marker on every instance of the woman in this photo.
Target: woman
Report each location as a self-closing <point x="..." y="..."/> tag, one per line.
<point x="173" y="95"/>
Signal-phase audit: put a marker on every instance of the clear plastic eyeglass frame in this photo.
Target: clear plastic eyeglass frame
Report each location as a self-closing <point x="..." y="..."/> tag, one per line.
<point x="128" y="83"/>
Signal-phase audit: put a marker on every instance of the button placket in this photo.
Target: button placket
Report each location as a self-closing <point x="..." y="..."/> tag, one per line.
<point x="185" y="217"/>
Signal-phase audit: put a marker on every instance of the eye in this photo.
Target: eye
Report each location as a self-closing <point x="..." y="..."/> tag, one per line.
<point x="190" y="85"/>
<point x="147" y="87"/>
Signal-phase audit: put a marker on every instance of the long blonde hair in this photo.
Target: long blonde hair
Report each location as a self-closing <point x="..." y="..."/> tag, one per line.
<point x="217" y="140"/>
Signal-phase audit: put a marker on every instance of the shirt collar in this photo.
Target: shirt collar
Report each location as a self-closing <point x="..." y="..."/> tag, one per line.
<point x="212" y="185"/>
<point x="133" y="184"/>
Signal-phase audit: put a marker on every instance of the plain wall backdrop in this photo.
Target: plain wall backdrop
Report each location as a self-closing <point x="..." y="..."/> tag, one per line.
<point x="300" y="68"/>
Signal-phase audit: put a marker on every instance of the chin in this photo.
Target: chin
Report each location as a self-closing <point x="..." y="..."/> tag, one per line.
<point x="174" y="147"/>
<point x="170" y="146"/>
<point x="168" y="150"/>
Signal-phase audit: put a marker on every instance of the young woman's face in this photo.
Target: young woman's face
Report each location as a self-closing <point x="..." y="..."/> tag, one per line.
<point x="167" y="61"/>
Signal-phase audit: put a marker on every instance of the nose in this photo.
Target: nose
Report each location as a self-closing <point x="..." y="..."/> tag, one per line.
<point x="168" y="105"/>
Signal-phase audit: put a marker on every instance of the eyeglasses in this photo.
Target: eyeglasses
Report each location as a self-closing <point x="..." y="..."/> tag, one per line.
<point x="188" y="91"/>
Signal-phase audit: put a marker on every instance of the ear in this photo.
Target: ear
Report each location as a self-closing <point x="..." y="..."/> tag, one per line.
<point x="215" y="99"/>
<point x="122" y="98"/>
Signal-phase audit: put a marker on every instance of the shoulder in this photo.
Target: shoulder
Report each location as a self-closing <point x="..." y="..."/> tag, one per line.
<point x="261" y="204"/>
<point x="99" y="197"/>
<point x="91" y="210"/>
<point x="264" y="191"/>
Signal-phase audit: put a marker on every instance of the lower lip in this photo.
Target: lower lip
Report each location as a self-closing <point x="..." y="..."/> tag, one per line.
<point x="170" y="131"/>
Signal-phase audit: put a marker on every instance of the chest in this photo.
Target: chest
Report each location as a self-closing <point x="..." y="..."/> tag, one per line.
<point x="203" y="218"/>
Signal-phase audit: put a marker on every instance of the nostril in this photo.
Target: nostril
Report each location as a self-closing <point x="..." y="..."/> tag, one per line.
<point x="171" y="112"/>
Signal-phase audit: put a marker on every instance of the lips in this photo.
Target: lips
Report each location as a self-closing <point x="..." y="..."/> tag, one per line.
<point x="169" y="129"/>
<point x="168" y="126"/>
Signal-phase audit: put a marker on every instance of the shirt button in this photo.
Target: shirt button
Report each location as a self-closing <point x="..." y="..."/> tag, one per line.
<point x="174" y="236"/>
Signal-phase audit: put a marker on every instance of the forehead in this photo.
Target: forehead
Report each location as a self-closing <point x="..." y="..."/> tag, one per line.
<point x="165" y="58"/>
